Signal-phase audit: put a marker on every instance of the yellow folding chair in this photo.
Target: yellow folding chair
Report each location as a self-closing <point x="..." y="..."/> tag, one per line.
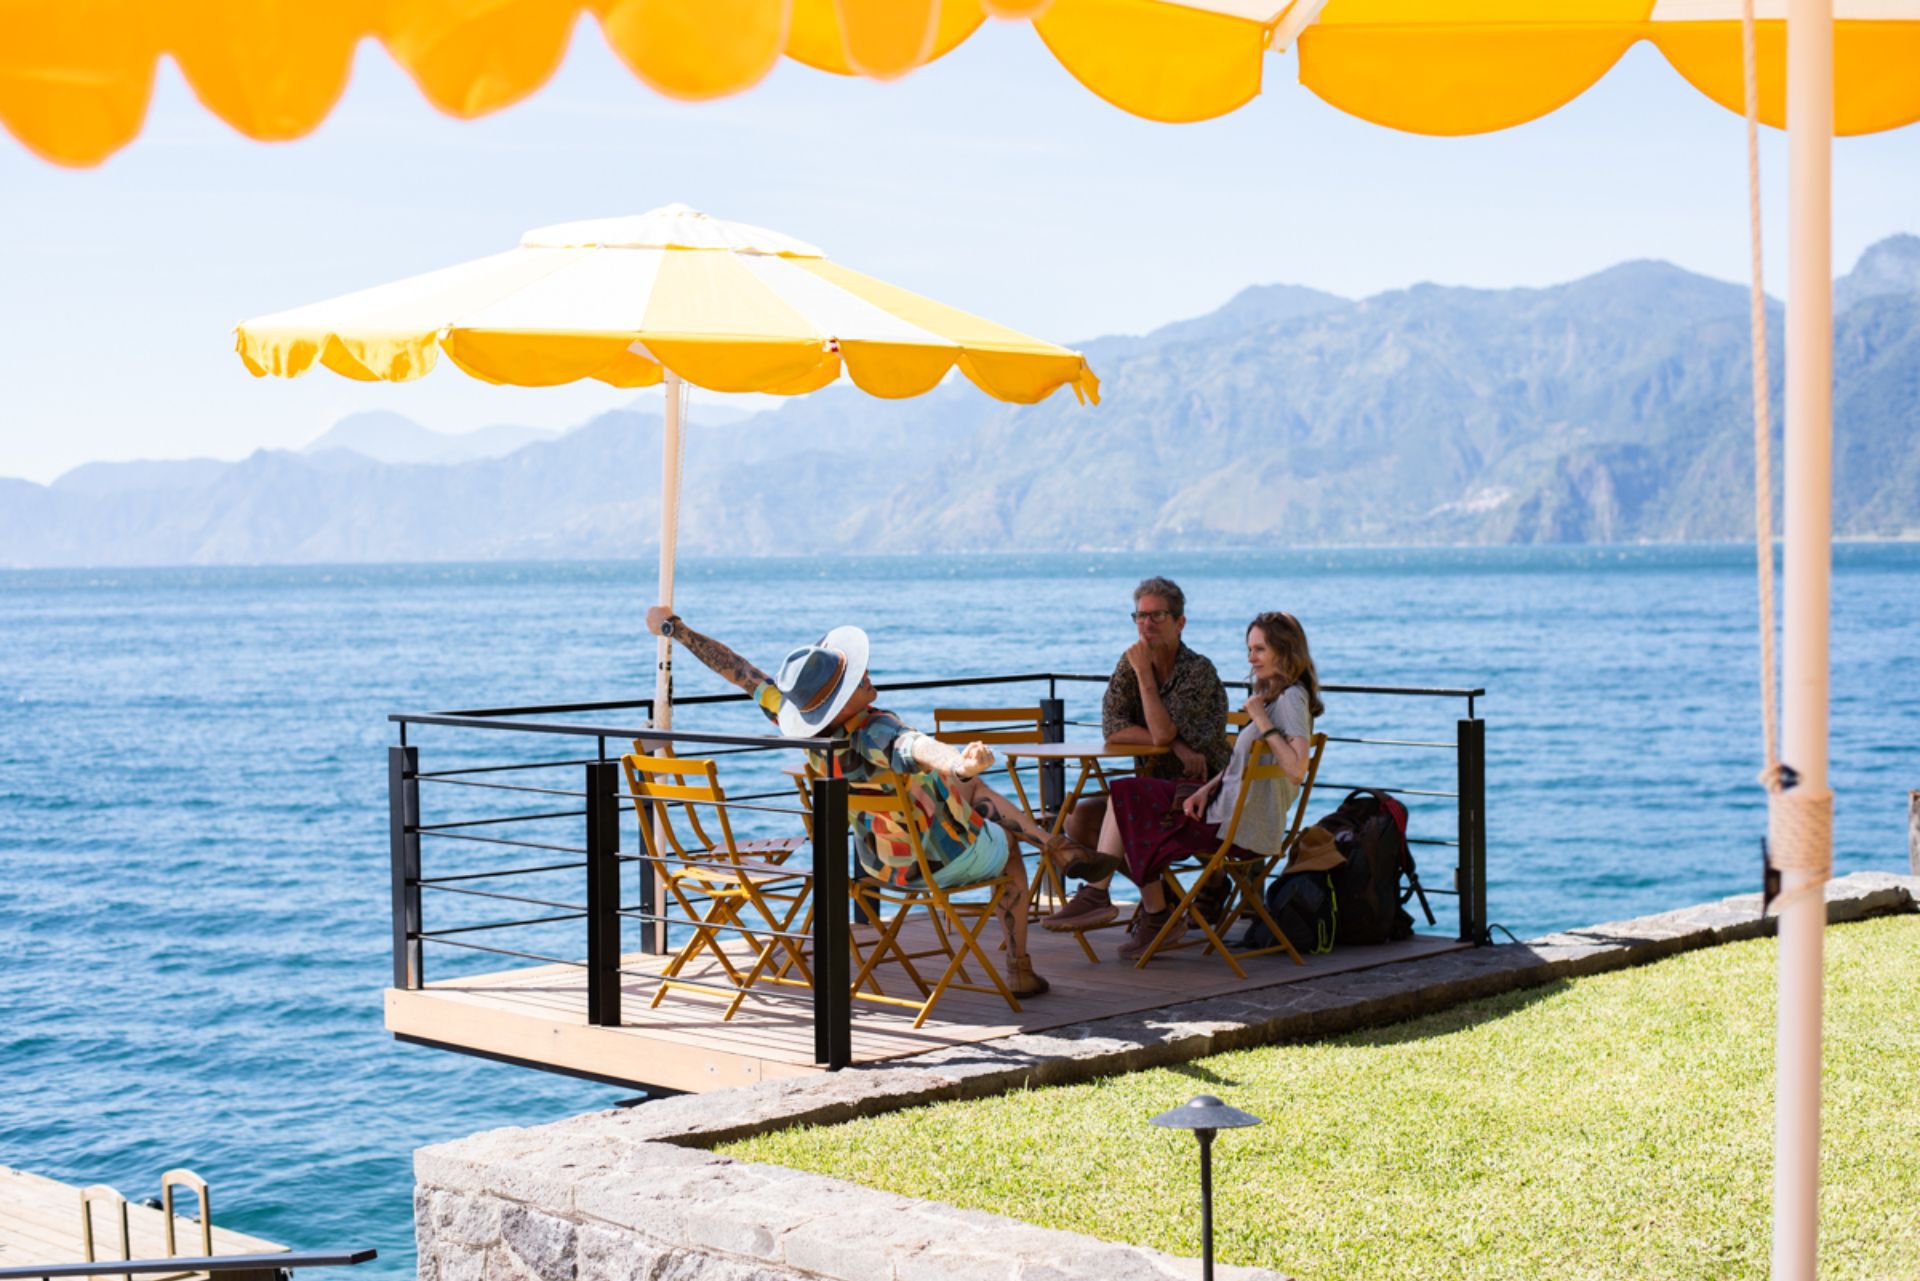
<point x="993" y="726"/>
<point x="723" y="886"/>
<point x="955" y="924"/>
<point x="999" y="726"/>
<point x="1246" y="873"/>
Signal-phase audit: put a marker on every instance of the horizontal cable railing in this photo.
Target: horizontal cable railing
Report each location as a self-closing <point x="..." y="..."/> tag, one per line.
<point x="577" y="805"/>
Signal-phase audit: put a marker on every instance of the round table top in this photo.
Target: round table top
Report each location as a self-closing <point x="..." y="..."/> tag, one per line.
<point x="1077" y="751"/>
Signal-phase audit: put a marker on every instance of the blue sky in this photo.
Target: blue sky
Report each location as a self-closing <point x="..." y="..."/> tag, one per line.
<point x="989" y="180"/>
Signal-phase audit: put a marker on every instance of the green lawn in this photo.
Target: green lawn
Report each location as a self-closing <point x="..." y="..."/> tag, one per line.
<point x="1612" y="1127"/>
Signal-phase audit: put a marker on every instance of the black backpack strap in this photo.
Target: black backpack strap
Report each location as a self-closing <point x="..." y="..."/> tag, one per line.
<point x="1414" y="888"/>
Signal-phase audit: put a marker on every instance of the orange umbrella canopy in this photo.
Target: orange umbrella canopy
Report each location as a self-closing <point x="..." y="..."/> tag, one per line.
<point x="75" y="75"/>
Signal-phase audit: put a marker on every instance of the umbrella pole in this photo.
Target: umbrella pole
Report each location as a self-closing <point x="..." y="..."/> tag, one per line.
<point x="669" y="547"/>
<point x="663" y="661"/>
<point x="1808" y="548"/>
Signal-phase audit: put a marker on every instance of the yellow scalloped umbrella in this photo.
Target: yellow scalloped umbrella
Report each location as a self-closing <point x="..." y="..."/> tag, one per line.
<point x="671" y="297"/>
<point x="75" y="76"/>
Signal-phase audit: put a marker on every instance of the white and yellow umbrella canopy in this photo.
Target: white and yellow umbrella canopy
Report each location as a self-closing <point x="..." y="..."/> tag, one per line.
<point x="75" y="75"/>
<point x="722" y="305"/>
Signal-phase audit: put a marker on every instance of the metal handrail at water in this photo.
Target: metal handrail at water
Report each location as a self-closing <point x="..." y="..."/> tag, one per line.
<point x="228" y="1265"/>
<point x="560" y="813"/>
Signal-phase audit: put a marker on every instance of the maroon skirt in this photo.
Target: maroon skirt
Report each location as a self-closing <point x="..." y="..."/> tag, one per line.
<point x="1154" y="830"/>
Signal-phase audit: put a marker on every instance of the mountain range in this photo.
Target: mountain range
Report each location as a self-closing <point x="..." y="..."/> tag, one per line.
<point x="1611" y="408"/>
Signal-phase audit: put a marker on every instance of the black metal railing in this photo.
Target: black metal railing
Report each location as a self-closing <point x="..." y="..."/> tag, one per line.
<point x="560" y="816"/>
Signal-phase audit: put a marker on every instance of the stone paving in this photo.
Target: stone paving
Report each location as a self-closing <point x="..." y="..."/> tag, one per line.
<point x="635" y="1194"/>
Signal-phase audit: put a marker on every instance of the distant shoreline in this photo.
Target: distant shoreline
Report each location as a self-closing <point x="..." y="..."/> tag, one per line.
<point x="697" y="562"/>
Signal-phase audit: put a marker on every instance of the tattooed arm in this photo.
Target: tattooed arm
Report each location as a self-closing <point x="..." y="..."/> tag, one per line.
<point x="728" y="665"/>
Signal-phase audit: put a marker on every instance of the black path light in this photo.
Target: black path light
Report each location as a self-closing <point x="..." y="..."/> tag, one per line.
<point x="1205" y="1116"/>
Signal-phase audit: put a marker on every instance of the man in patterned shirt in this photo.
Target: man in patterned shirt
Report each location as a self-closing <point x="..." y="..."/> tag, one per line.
<point x="823" y="691"/>
<point x="1161" y="693"/>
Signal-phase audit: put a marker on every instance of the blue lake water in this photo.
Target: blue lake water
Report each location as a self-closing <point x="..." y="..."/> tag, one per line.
<point x="194" y="910"/>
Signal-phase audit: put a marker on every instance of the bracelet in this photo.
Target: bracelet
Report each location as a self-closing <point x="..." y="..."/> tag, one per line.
<point x="1270" y="731"/>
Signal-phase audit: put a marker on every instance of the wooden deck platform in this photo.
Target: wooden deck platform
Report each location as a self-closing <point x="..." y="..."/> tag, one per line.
<point x="537" y="1015"/>
<point x="40" y="1224"/>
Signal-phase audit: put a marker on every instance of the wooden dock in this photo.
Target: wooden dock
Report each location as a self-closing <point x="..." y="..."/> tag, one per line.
<point x="537" y="1015"/>
<point x="40" y="1224"/>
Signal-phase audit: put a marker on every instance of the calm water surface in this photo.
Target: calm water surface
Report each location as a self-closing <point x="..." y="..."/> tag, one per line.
<point x="194" y="912"/>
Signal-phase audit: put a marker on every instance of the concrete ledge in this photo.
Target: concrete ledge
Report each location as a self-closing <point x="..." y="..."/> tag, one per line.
<point x="634" y="1194"/>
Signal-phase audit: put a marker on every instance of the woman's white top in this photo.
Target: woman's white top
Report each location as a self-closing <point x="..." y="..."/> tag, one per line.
<point x="1263" y="823"/>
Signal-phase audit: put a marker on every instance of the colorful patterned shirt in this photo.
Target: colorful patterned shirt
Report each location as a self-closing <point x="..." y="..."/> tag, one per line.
<point x="878" y="742"/>
<point x="1195" y="700"/>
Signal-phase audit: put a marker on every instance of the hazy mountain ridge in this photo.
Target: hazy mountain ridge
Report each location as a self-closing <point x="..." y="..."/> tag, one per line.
<point x="1611" y="408"/>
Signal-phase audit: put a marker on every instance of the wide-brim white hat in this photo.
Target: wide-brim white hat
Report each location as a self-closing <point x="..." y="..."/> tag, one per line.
<point x="815" y="681"/>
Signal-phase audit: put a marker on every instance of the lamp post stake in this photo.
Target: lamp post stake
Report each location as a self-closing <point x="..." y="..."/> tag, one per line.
<point x="1206" y="1203"/>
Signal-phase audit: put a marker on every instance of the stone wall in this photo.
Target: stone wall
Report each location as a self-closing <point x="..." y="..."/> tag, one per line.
<point x="634" y="1195"/>
<point x="584" y="1203"/>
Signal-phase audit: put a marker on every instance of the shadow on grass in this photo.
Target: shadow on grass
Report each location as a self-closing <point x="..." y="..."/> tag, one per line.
<point x="1457" y="1018"/>
<point x="1202" y="1073"/>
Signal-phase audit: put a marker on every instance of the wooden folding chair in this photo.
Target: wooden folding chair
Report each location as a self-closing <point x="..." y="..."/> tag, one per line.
<point x="1245" y="873"/>
<point x="724" y="886"/>
<point x="886" y="907"/>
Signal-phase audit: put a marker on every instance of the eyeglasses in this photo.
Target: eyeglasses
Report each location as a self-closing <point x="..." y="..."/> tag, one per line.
<point x="1157" y="615"/>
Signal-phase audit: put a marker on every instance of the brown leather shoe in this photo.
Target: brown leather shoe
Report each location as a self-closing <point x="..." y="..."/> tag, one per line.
<point x="1022" y="980"/>
<point x="1089" y="908"/>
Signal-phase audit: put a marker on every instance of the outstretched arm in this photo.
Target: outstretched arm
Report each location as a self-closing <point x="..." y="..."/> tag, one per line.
<point x="728" y="665"/>
<point x="959" y="764"/>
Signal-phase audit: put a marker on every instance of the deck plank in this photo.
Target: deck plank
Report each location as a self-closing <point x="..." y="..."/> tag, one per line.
<point x="538" y="1013"/>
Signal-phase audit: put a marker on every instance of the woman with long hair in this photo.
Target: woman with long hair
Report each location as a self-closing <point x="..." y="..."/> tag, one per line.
<point x="1153" y="822"/>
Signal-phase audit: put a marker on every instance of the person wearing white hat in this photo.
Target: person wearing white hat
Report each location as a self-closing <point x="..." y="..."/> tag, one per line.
<point x="823" y="690"/>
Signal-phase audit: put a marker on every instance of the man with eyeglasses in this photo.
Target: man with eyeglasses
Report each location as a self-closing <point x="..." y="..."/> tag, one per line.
<point x="1162" y="693"/>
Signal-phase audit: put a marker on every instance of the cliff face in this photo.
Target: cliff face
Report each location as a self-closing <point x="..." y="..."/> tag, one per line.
<point x="1610" y="408"/>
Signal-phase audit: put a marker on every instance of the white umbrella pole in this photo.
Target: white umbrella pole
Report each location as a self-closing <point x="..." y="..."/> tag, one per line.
<point x="1808" y="540"/>
<point x="669" y="548"/>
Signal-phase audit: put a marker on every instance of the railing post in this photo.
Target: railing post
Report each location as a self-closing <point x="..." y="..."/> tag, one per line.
<point x="403" y="834"/>
<point x="603" y="894"/>
<point x="1053" y="774"/>
<point x="832" y="936"/>
<point x="1470" y="878"/>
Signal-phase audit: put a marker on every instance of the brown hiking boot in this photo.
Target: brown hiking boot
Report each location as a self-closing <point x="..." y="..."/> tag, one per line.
<point x="1022" y="980"/>
<point x="1089" y="908"/>
<point x="1141" y="933"/>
